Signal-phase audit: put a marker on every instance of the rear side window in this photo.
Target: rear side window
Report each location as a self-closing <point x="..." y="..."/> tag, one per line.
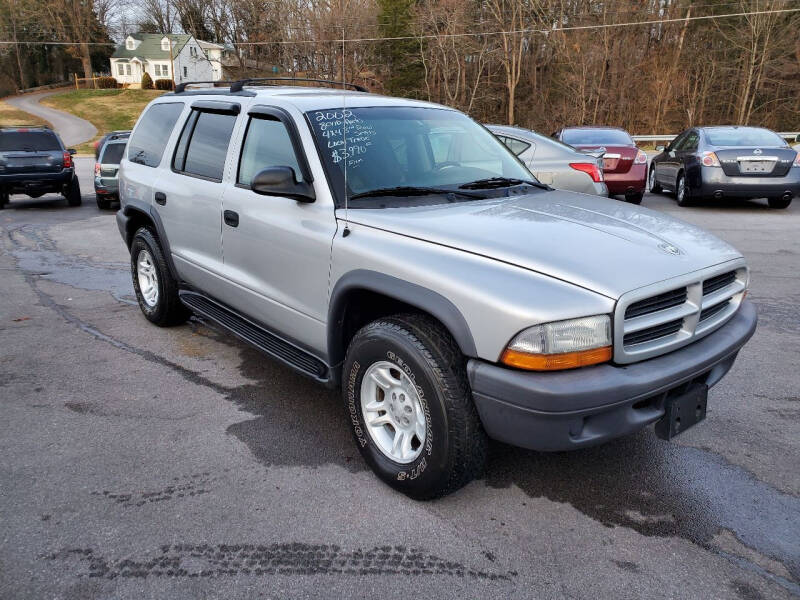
<point x="147" y="143"/>
<point x="112" y="154"/>
<point x="266" y="144"/>
<point x="28" y="141"/>
<point x="204" y="144"/>
<point x="516" y="146"/>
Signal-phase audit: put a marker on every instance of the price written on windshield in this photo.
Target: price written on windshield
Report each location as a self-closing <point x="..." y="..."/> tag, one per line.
<point x="347" y="136"/>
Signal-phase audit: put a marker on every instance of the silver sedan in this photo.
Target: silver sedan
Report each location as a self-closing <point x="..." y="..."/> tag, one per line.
<point x="552" y="162"/>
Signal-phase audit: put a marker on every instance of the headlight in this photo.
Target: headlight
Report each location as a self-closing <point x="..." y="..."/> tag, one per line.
<point x="561" y="345"/>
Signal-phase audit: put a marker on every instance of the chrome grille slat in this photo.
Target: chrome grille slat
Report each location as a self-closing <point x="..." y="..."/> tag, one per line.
<point x="668" y="315"/>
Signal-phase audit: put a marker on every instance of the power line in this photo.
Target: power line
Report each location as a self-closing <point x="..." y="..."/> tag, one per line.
<point x="455" y="35"/>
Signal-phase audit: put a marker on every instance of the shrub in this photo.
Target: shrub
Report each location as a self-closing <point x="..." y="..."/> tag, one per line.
<point x="163" y="84"/>
<point x="105" y="83"/>
<point x="147" y="82"/>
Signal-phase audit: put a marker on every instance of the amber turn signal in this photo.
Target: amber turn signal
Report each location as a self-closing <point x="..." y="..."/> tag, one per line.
<point x="556" y="362"/>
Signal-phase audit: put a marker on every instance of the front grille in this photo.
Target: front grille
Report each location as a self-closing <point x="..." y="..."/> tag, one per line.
<point x="656" y="303"/>
<point x="707" y="313"/>
<point x="717" y="283"/>
<point x="653" y="333"/>
<point x="668" y="315"/>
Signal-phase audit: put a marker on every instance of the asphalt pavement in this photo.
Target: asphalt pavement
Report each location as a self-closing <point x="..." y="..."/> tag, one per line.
<point x="73" y="130"/>
<point x="138" y="462"/>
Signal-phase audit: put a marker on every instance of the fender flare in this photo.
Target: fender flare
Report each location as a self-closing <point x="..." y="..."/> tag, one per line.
<point x="135" y="206"/>
<point x="410" y="293"/>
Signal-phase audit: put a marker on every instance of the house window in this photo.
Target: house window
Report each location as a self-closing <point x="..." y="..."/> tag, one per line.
<point x="120" y="69"/>
<point x="185" y="72"/>
<point x="127" y="69"/>
<point x="161" y="70"/>
<point x="192" y="51"/>
<point x="165" y="44"/>
<point x="130" y="44"/>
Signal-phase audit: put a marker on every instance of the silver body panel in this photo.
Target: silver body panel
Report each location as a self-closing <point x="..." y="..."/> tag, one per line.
<point x="549" y="161"/>
<point x="505" y="264"/>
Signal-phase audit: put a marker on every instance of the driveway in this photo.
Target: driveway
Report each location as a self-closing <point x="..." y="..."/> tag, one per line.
<point x="73" y="130"/>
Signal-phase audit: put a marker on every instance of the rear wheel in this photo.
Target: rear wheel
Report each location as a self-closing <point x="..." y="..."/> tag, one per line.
<point x="653" y="184"/>
<point x="409" y="406"/>
<point x="779" y="202"/>
<point x="681" y="191"/>
<point x="73" y="192"/>
<point x="634" y="198"/>
<point x="155" y="288"/>
<point x="103" y="202"/>
<point x="4" y="196"/>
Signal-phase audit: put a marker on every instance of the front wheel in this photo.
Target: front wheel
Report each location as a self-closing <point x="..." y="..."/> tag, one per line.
<point x="155" y="288"/>
<point x="652" y="182"/>
<point x="4" y="197"/>
<point x="779" y="202"/>
<point x="409" y="406"/>
<point x="73" y="192"/>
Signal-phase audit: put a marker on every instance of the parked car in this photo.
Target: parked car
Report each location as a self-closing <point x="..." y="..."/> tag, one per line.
<point x="34" y="161"/>
<point x="727" y="162"/>
<point x="624" y="165"/>
<point x="552" y="162"/>
<point x="797" y="145"/>
<point x="106" y="168"/>
<point x="397" y="250"/>
<point x="99" y="143"/>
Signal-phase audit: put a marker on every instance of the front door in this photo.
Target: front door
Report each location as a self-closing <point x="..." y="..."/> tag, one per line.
<point x="277" y="250"/>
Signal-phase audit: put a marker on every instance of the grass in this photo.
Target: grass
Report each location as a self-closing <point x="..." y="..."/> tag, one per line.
<point x="105" y="109"/>
<point x="13" y="116"/>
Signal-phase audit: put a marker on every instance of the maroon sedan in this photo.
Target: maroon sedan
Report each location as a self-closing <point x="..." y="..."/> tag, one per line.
<point x="624" y="165"/>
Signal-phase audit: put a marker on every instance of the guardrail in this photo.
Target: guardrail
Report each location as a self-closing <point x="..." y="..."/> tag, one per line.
<point x="787" y="135"/>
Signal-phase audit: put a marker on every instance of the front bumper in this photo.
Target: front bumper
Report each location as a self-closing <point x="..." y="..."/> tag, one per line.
<point x="582" y="407"/>
<point x="713" y="181"/>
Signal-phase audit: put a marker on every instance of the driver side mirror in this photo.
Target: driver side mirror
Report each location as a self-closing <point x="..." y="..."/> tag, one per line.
<point x="660" y="148"/>
<point x="280" y="181"/>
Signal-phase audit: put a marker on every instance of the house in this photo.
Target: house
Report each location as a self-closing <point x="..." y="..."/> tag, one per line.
<point x="159" y="55"/>
<point x="220" y="57"/>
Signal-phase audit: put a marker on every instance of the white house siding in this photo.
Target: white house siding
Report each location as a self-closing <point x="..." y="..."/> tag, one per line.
<point x="193" y="67"/>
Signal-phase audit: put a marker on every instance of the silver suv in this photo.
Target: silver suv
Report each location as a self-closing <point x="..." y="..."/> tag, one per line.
<point x="397" y="250"/>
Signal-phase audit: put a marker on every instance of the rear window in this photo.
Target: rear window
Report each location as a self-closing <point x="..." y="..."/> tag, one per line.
<point x="147" y="144"/>
<point x="112" y="154"/>
<point x="28" y="141"/>
<point x="596" y="137"/>
<point x="743" y="136"/>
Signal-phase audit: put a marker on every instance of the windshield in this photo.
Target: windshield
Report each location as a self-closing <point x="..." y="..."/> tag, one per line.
<point x="407" y="146"/>
<point x="743" y="136"/>
<point x="112" y="154"/>
<point x="28" y="141"/>
<point x="596" y="137"/>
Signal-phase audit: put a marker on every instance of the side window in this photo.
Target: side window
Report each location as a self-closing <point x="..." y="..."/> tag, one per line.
<point x="147" y="144"/>
<point x="690" y="142"/>
<point x="266" y="144"/>
<point x="675" y="144"/>
<point x="203" y="144"/>
<point x="516" y="146"/>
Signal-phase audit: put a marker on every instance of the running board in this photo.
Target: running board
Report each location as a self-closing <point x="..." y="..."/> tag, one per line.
<point x="257" y="336"/>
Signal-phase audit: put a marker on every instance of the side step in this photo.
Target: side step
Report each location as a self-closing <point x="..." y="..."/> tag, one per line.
<point x="253" y="334"/>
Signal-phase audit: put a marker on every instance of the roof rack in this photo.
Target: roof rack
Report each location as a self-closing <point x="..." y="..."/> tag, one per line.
<point x="237" y="86"/>
<point x="181" y="87"/>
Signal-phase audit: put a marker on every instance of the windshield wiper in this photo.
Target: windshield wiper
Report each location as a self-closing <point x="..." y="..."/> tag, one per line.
<point x="410" y="190"/>
<point x="498" y="182"/>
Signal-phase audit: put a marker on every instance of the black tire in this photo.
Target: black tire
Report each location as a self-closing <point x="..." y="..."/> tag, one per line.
<point x="72" y="192"/>
<point x="634" y="198"/>
<point x="655" y="187"/>
<point x="682" y="195"/>
<point x="455" y="447"/>
<point x="167" y="310"/>
<point x="4" y="197"/>
<point x="779" y="202"/>
<point x="103" y="203"/>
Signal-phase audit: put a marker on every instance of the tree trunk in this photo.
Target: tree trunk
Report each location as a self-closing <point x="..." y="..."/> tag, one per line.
<point x="86" y="60"/>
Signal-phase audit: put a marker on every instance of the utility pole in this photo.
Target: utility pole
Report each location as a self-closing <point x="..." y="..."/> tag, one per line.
<point x="171" y="62"/>
<point x="13" y="11"/>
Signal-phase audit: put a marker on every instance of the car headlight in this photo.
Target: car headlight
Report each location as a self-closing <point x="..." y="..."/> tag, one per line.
<point x="561" y="345"/>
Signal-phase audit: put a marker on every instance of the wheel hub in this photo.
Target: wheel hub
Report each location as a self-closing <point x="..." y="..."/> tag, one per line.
<point x="147" y="278"/>
<point x="392" y="411"/>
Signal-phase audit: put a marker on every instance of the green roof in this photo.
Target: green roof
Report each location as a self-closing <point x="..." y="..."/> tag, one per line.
<point x="150" y="46"/>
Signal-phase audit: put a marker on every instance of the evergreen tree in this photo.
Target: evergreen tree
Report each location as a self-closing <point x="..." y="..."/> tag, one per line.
<point x="400" y="59"/>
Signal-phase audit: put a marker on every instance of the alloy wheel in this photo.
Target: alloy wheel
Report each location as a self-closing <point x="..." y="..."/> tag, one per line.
<point x="148" y="278"/>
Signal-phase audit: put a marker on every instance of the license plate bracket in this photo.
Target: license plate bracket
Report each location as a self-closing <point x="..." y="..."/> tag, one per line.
<point x="683" y="411"/>
<point x="757" y="167"/>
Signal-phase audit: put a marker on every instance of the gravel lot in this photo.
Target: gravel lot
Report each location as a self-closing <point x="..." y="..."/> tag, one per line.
<point x="138" y="462"/>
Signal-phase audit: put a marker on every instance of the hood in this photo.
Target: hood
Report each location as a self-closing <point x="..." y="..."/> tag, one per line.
<point x="604" y="245"/>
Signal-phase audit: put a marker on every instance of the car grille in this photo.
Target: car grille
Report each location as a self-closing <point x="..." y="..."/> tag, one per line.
<point x="666" y="316"/>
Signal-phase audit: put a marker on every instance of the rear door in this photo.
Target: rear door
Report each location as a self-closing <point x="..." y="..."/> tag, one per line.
<point x="30" y="151"/>
<point x="109" y="162"/>
<point x="667" y="167"/>
<point x="189" y="199"/>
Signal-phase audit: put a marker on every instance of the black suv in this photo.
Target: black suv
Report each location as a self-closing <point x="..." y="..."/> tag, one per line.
<point x="34" y="161"/>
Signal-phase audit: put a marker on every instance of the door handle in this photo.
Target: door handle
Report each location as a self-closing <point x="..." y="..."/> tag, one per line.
<point x="231" y="218"/>
<point x="161" y="198"/>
